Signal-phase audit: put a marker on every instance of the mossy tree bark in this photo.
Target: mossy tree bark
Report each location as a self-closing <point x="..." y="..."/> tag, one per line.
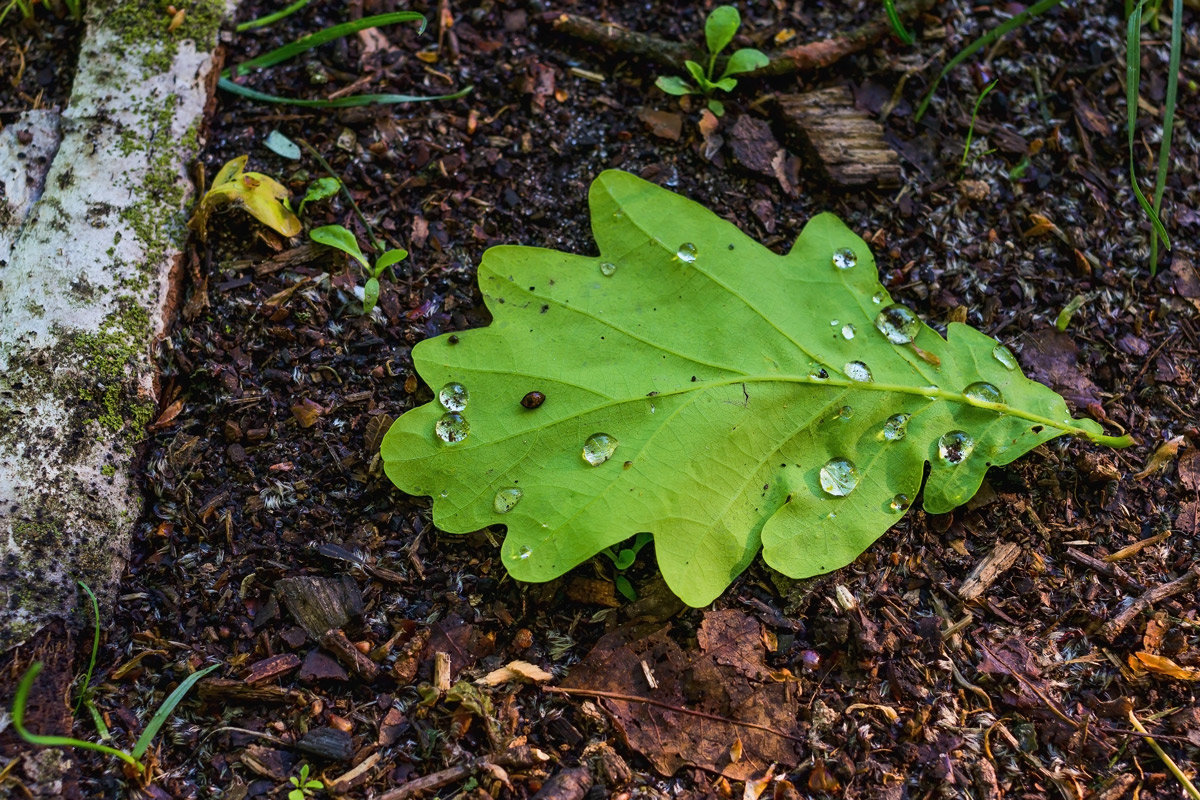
<point x="83" y="300"/>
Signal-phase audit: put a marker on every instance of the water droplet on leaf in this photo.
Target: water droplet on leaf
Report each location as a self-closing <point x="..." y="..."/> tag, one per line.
<point x="599" y="448"/>
<point x="848" y="331"/>
<point x="686" y="253"/>
<point x="506" y="499"/>
<point x="900" y="503"/>
<point x="524" y="553"/>
<point x="955" y="446"/>
<point x="898" y="324"/>
<point x="839" y="477"/>
<point x="857" y="371"/>
<point x="452" y="428"/>
<point x="896" y="427"/>
<point x="1004" y="356"/>
<point x="845" y="412"/>
<point x="819" y="374"/>
<point x="454" y="396"/>
<point x="983" y="392"/>
<point x="877" y="298"/>
<point x="844" y="258"/>
<point x="607" y="268"/>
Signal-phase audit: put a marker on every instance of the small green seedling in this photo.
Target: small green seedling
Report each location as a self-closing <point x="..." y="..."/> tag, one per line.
<point x="719" y="29"/>
<point x="338" y="237"/>
<point x="320" y="189"/>
<point x="304" y="785"/>
<point x="974" y="117"/>
<point x="623" y="559"/>
<point x="1064" y="316"/>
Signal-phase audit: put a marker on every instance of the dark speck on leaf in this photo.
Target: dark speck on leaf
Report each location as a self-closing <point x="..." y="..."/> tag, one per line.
<point x="533" y="399"/>
<point x="545" y="309"/>
<point x="693" y="379"/>
<point x="452" y="339"/>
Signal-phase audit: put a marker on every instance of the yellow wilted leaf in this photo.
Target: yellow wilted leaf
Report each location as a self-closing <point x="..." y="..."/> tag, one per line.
<point x="263" y="196"/>
<point x="1161" y="665"/>
<point x="513" y="671"/>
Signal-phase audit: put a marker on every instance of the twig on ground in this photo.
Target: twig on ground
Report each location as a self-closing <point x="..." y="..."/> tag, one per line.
<point x="801" y="58"/>
<point x="633" y="698"/>
<point x="1114" y="626"/>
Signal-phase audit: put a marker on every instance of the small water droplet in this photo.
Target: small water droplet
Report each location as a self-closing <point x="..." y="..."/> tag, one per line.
<point x="845" y="412"/>
<point x="844" y="258"/>
<point x="984" y="392"/>
<point x="848" y="331"/>
<point x="833" y="323"/>
<point x="618" y="214"/>
<point x="524" y="553"/>
<point x="955" y="446"/>
<point x="454" y="396"/>
<point x="898" y="324"/>
<point x="506" y="499"/>
<point x="900" y="502"/>
<point x="1004" y="356"/>
<point x="896" y="427"/>
<point x="839" y="477"/>
<point x="599" y="448"/>
<point x="652" y="408"/>
<point x="819" y="374"/>
<point x="686" y="253"/>
<point x="857" y="371"/>
<point x="452" y="428"/>
<point x="607" y="268"/>
<point x="444" y="493"/>
<point x="877" y="298"/>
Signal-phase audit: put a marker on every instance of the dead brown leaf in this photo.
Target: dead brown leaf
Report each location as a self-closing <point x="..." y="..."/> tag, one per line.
<point x="1163" y="455"/>
<point x="1161" y="665"/>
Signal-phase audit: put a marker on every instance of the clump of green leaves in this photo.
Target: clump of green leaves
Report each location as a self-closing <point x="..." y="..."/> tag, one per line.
<point x="304" y="785"/>
<point x="719" y="29"/>
<point x="623" y="559"/>
<point x="691" y="384"/>
<point x="339" y="238"/>
<point x="133" y="759"/>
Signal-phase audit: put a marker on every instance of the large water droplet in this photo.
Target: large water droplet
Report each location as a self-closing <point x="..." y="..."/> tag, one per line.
<point x="524" y="552"/>
<point x="848" y="331"/>
<point x="506" y="499"/>
<point x="452" y="428"/>
<point x="839" y="477"/>
<point x="844" y="258"/>
<point x="599" y="448"/>
<point x="896" y="427"/>
<point x="983" y="392"/>
<point x="900" y="502"/>
<point x="454" y="396"/>
<point x="1004" y="356"/>
<point x="857" y="371"/>
<point x="955" y="446"/>
<point x="607" y="268"/>
<point x="845" y="412"/>
<point x="898" y="324"/>
<point x="819" y="374"/>
<point x="687" y="253"/>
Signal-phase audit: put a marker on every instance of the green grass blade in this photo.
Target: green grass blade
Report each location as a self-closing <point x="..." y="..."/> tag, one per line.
<point x="1133" y="77"/>
<point x="1037" y="9"/>
<point x="974" y="116"/>
<point x="164" y="711"/>
<point x="306" y="43"/>
<point x="87" y="678"/>
<point x="341" y="102"/>
<point x="18" y="720"/>
<point x="1164" y="147"/>
<point x="889" y="6"/>
<point x="268" y="19"/>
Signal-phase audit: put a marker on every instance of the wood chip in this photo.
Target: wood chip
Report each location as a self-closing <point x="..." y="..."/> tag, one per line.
<point x="1003" y="556"/>
<point x="845" y="140"/>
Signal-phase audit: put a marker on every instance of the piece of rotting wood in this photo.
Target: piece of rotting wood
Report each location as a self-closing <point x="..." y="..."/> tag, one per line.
<point x="320" y="604"/>
<point x="997" y="562"/>
<point x="845" y="142"/>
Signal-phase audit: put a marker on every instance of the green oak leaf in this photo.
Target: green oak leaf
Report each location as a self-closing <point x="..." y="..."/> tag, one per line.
<point x="734" y="383"/>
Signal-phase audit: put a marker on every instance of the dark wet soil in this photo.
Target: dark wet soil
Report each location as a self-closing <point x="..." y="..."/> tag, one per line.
<point x="280" y="391"/>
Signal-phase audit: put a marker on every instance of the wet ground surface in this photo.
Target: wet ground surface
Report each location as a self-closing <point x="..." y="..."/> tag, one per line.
<point x="262" y="477"/>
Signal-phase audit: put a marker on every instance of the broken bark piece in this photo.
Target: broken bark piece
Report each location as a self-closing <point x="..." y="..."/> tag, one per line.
<point x="321" y="604"/>
<point x="350" y="656"/>
<point x="327" y="743"/>
<point x="845" y="141"/>
<point x="320" y="667"/>
<point x="228" y="691"/>
<point x="570" y="784"/>
<point x="272" y="667"/>
<point x="997" y="562"/>
<point x="267" y="762"/>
